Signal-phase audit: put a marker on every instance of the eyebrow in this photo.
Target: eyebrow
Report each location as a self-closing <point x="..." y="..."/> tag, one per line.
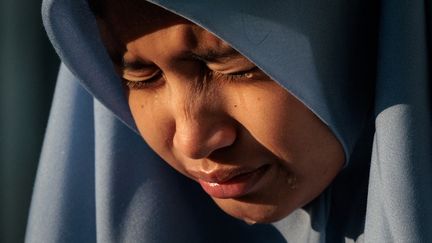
<point x="134" y="65"/>
<point x="214" y="55"/>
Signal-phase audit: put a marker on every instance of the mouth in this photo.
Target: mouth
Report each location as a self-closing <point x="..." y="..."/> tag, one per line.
<point x="232" y="184"/>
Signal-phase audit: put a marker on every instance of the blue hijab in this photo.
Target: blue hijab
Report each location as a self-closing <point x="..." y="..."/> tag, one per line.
<point x="363" y="67"/>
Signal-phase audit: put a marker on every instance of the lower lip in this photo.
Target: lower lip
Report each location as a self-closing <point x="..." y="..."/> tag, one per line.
<point x="235" y="187"/>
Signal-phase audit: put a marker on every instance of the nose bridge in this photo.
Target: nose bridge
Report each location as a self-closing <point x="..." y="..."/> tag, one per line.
<point x="192" y="95"/>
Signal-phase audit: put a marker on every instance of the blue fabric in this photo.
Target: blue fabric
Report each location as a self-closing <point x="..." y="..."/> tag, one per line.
<point x="362" y="67"/>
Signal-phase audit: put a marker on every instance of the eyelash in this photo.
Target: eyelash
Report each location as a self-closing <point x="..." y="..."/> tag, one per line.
<point x="148" y="83"/>
<point x="233" y="77"/>
<point x="228" y="77"/>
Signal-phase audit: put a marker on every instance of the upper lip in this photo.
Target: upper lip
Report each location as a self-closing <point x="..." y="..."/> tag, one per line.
<point x="222" y="175"/>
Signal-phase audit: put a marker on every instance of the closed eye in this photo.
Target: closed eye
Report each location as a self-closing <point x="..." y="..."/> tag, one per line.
<point x="236" y="76"/>
<point x="141" y="80"/>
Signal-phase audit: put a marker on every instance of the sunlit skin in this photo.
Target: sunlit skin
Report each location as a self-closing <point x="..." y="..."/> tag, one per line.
<point x="203" y="107"/>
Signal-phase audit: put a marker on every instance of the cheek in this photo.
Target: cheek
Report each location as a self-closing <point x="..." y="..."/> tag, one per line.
<point x="289" y="130"/>
<point x="271" y="115"/>
<point x="154" y="123"/>
<point x="143" y="111"/>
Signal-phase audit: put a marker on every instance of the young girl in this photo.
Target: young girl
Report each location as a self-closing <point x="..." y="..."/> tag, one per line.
<point x="268" y="108"/>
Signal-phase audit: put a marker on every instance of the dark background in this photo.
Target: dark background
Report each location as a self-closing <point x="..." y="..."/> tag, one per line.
<point x="28" y="69"/>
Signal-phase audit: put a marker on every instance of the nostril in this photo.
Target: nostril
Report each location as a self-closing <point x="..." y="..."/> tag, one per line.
<point x="199" y="143"/>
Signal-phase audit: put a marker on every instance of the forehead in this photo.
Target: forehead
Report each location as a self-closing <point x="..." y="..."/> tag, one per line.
<point x="131" y="19"/>
<point x="130" y="22"/>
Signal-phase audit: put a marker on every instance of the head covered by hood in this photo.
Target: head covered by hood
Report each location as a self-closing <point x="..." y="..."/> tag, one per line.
<point x="361" y="67"/>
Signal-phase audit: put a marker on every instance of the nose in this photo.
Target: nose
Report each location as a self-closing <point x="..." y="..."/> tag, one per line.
<point x="198" y="138"/>
<point x="202" y="125"/>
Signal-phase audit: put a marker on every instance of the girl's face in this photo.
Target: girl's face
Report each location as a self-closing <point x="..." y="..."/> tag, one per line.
<point x="215" y="117"/>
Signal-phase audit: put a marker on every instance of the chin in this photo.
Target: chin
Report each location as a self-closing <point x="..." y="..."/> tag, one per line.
<point x="253" y="213"/>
